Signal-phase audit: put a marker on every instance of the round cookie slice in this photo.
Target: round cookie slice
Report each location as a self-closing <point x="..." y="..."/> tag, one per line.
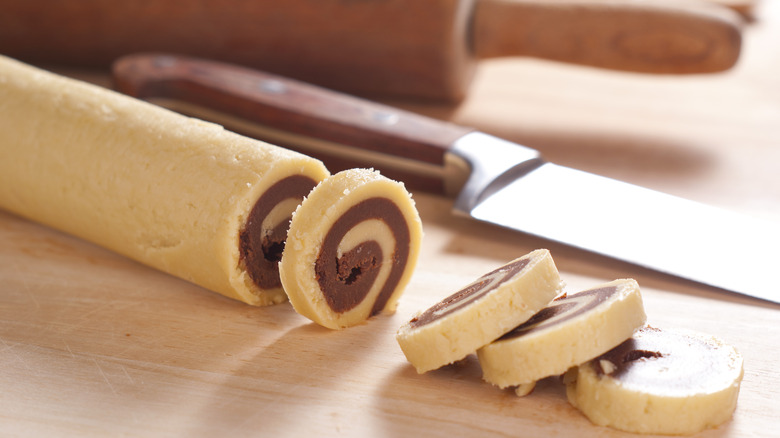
<point x="480" y="312"/>
<point x="660" y="382"/>
<point x="568" y="332"/>
<point x="351" y="248"/>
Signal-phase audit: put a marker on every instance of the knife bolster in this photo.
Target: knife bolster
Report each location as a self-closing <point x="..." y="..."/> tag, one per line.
<point x="493" y="162"/>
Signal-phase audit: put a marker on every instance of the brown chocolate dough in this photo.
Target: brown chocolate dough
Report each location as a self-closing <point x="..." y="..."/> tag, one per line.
<point x="346" y="281"/>
<point x="262" y="249"/>
<point x="470" y="293"/>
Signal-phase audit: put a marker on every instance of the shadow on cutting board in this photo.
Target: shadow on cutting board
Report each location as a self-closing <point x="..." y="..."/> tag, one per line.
<point x="455" y="401"/>
<point x="305" y="379"/>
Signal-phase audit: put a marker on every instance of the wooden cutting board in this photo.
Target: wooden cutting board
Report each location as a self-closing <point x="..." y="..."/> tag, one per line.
<point x="92" y="344"/>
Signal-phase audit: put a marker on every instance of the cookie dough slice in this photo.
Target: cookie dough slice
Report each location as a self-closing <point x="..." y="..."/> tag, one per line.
<point x="568" y="332"/>
<point x="351" y="249"/>
<point x="176" y="193"/>
<point x="481" y="312"/>
<point x="660" y="382"/>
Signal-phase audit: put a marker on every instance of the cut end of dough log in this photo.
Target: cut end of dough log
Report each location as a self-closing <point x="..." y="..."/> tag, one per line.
<point x="263" y="236"/>
<point x="176" y="193"/>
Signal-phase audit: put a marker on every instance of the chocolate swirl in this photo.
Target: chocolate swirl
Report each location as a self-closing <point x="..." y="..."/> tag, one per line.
<point x="260" y="247"/>
<point x="671" y="362"/>
<point x="345" y="280"/>
<point x="623" y="357"/>
<point x="563" y="309"/>
<point x="470" y="293"/>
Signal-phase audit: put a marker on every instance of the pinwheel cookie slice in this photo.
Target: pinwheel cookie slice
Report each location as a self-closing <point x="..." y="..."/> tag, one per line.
<point x="351" y="248"/>
<point x="660" y="382"/>
<point x="480" y="312"/>
<point x="568" y="332"/>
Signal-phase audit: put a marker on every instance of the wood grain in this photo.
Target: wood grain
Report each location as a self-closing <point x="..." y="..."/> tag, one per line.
<point x="298" y="115"/>
<point x="390" y="47"/>
<point x="654" y="36"/>
<point x="287" y="105"/>
<point x="94" y="345"/>
<point x="420" y="49"/>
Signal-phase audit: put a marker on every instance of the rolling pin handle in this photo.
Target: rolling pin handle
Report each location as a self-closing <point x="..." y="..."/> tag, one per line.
<point x="649" y="37"/>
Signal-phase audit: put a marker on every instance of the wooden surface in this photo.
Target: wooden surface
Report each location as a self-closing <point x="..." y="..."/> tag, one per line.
<point x="92" y="344"/>
<point x="379" y="48"/>
<point x="658" y="37"/>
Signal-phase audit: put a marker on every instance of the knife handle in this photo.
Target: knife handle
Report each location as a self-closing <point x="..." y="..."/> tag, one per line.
<point x="642" y="36"/>
<point x="341" y="130"/>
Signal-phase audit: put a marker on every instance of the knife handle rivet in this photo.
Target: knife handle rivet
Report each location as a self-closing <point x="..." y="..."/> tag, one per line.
<point x="272" y="86"/>
<point x="164" y="61"/>
<point x="385" y="118"/>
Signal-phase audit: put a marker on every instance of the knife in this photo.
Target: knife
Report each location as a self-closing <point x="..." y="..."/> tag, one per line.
<point x="493" y="180"/>
<point x="408" y="48"/>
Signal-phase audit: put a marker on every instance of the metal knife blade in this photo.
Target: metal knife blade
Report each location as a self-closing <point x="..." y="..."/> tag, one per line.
<point x="505" y="183"/>
<point x="648" y="228"/>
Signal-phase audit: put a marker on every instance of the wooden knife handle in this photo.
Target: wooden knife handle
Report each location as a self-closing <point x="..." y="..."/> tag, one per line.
<point x="643" y="36"/>
<point x="301" y="112"/>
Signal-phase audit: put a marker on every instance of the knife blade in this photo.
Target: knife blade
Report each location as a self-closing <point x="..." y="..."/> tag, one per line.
<point x="493" y="180"/>
<point x="409" y="48"/>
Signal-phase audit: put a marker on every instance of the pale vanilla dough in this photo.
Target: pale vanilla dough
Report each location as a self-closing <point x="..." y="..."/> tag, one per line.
<point x="660" y="382"/>
<point x="481" y="312"/>
<point x="167" y="190"/>
<point x="570" y="331"/>
<point x="359" y="207"/>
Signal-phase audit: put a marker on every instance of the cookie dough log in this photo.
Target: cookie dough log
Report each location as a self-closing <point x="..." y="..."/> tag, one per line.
<point x="660" y="382"/>
<point x="481" y="312"/>
<point x="351" y="249"/>
<point x="178" y="194"/>
<point x="572" y="330"/>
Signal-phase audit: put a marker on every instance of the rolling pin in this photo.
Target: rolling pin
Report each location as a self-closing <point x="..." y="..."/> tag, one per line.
<point x="394" y="48"/>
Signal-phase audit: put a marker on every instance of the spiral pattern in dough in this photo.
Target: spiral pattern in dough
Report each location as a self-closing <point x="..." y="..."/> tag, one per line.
<point x="571" y="330"/>
<point x="351" y="248"/>
<point x="363" y="255"/>
<point x="670" y="382"/>
<point x="479" y="313"/>
<point x="265" y="231"/>
<point x="169" y="191"/>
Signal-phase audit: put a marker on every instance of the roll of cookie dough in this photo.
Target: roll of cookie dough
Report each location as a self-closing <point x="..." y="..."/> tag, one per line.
<point x="351" y="250"/>
<point x="571" y="330"/>
<point x="660" y="382"/>
<point x="481" y="312"/>
<point x="178" y="194"/>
